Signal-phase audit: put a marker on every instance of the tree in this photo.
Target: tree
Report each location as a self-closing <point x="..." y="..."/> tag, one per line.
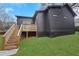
<point x="6" y="19"/>
<point x="75" y="7"/>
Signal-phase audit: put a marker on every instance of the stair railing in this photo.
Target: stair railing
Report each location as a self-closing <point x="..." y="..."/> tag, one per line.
<point x="19" y="32"/>
<point x="19" y="35"/>
<point x="7" y="35"/>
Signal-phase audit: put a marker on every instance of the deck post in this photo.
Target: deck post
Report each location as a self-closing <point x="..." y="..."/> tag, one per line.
<point x="36" y="34"/>
<point x="27" y="35"/>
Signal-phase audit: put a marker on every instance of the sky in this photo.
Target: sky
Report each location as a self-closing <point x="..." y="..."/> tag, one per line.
<point x="21" y="9"/>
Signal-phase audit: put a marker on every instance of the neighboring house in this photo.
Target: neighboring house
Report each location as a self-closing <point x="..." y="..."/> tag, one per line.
<point x="51" y="20"/>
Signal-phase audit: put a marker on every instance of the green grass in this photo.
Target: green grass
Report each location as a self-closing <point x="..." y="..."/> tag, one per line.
<point x="1" y="42"/>
<point x="67" y="45"/>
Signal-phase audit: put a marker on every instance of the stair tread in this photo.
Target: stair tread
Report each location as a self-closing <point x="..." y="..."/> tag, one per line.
<point x="10" y="47"/>
<point x="12" y="39"/>
<point x="10" y="43"/>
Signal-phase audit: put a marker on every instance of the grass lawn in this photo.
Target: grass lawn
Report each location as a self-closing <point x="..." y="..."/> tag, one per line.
<point x="45" y="46"/>
<point x="1" y="42"/>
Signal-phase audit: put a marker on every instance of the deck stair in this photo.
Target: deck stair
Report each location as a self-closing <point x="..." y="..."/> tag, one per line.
<point x="11" y="38"/>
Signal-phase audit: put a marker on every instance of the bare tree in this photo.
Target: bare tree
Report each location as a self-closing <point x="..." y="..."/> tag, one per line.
<point x="75" y="7"/>
<point x="6" y="20"/>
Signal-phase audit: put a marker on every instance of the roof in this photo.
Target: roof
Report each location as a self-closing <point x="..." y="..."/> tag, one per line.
<point x="23" y="17"/>
<point x="71" y="10"/>
<point x="39" y="11"/>
<point x="66" y="5"/>
<point x="54" y="6"/>
<point x="46" y="9"/>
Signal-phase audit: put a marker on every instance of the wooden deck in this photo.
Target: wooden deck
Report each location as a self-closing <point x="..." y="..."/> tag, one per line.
<point x="29" y="28"/>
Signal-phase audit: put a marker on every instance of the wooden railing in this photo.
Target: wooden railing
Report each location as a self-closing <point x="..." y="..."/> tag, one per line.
<point x="19" y="32"/>
<point x="19" y="35"/>
<point x="16" y="35"/>
<point x="7" y="35"/>
<point x="30" y="27"/>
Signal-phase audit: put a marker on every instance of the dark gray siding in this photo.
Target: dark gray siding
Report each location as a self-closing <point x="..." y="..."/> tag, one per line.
<point x="69" y="19"/>
<point x="57" y="21"/>
<point x="61" y="21"/>
<point x="40" y="24"/>
<point x="55" y="17"/>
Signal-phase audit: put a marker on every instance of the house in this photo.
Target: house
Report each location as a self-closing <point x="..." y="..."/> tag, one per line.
<point x="52" y="20"/>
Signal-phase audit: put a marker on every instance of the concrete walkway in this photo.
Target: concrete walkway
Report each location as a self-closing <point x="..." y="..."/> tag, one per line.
<point x="8" y="52"/>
